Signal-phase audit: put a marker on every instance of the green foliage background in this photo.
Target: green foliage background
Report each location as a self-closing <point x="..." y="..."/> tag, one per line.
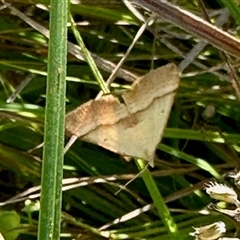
<point x="194" y="149"/>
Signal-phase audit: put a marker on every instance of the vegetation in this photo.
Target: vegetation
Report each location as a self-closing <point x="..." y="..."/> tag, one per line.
<point x="105" y="197"/>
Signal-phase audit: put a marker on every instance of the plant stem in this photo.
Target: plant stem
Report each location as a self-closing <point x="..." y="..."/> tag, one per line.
<point x="51" y="199"/>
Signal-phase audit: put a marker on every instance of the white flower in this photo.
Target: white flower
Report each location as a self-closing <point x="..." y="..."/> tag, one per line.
<point x="221" y="192"/>
<point x="209" y="232"/>
<point x="232" y="213"/>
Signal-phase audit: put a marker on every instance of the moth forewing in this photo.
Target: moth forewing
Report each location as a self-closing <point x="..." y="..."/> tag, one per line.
<point x="134" y="128"/>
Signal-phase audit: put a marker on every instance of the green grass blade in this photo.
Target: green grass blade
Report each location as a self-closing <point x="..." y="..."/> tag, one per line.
<point x="51" y="199"/>
<point x="88" y="57"/>
<point x="19" y="162"/>
<point x="202" y="135"/>
<point x="158" y="200"/>
<point x="196" y="161"/>
<point x="233" y="9"/>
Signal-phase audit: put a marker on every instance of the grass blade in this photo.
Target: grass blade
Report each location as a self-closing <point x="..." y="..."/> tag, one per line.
<point x="196" y="161"/>
<point x="158" y="200"/>
<point x="89" y="58"/>
<point x="51" y="199"/>
<point x="233" y="9"/>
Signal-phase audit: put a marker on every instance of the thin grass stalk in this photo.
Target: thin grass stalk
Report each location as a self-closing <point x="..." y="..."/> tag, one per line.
<point x="54" y="128"/>
<point x="205" y="136"/>
<point x="158" y="200"/>
<point x="88" y="57"/>
<point x="194" y="25"/>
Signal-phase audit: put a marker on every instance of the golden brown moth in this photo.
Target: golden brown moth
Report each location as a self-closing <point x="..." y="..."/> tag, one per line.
<point x="135" y="127"/>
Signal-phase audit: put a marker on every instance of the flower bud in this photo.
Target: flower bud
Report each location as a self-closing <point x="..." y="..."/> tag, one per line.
<point x="221" y="192"/>
<point x="209" y="232"/>
<point x="231" y="213"/>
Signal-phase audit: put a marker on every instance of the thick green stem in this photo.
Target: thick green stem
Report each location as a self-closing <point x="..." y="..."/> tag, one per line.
<point x="51" y="199"/>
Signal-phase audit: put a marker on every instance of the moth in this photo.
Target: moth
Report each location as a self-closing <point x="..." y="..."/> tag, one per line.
<point x="132" y="128"/>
